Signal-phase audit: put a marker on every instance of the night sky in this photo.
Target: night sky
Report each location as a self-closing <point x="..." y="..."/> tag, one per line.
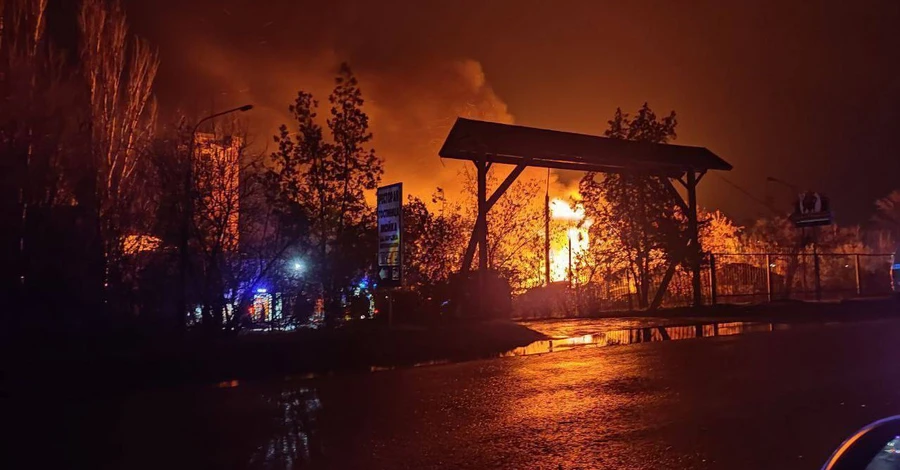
<point x="809" y="95"/>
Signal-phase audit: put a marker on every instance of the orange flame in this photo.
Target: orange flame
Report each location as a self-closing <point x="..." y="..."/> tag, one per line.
<point x="576" y="236"/>
<point x="561" y="210"/>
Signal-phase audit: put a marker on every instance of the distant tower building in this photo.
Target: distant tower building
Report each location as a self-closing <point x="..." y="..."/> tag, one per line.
<point x="217" y="176"/>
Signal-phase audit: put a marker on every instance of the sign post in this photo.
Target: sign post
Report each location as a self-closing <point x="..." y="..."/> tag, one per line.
<point x="813" y="210"/>
<point x="390" y="240"/>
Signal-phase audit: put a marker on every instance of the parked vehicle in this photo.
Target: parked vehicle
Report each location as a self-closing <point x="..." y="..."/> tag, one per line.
<point x="874" y="447"/>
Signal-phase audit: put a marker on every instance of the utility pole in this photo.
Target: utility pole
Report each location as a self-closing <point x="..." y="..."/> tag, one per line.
<point x="547" y="232"/>
<point x="570" y="258"/>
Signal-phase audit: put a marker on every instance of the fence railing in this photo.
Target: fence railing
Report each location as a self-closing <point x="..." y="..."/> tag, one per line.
<point x="763" y="277"/>
<point x="727" y="278"/>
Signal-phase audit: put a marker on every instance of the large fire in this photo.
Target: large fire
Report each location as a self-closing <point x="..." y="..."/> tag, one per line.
<point x="575" y="234"/>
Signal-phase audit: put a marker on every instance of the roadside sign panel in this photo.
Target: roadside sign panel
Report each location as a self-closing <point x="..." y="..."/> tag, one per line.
<point x="812" y="209"/>
<point x="390" y="234"/>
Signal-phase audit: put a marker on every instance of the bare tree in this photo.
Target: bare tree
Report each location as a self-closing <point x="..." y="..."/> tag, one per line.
<point x="40" y="137"/>
<point x="228" y="239"/>
<point x="119" y="71"/>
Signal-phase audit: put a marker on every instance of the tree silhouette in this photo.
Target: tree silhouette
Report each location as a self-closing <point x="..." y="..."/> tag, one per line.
<point x="119" y="71"/>
<point x="637" y="209"/>
<point x="434" y="241"/>
<point x="887" y="213"/>
<point x="73" y="131"/>
<point x="325" y="183"/>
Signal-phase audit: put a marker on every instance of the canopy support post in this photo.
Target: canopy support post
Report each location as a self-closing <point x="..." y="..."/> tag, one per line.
<point x="693" y="252"/>
<point x="485" y="204"/>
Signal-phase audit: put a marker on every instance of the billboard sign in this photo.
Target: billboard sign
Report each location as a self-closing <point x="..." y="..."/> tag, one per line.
<point x="390" y="231"/>
<point x="812" y="209"/>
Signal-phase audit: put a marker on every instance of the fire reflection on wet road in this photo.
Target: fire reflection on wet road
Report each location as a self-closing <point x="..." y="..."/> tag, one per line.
<point x="644" y="334"/>
<point x="770" y="400"/>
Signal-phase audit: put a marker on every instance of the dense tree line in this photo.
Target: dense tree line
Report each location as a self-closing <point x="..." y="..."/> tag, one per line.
<point x="100" y="193"/>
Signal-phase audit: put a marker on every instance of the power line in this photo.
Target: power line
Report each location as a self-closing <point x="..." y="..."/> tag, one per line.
<point x="748" y="194"/>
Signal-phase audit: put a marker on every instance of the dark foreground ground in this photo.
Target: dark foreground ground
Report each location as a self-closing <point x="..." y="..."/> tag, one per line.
<point x="781" y="399"/>
<point x="127" y="362"/>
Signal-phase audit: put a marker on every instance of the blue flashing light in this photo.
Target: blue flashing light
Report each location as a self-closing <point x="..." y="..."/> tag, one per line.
<point x="261" y="290"/>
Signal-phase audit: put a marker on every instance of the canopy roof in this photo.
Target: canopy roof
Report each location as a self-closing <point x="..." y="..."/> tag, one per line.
<point x="470" y="139"/>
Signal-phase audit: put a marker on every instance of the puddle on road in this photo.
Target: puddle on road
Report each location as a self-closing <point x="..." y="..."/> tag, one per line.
<point x="620" y="337"/>
<point x="643" y="335"/>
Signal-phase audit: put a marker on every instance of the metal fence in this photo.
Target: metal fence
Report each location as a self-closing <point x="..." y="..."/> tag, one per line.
<point x="612" y="292"/>
<point x="764" y="277"/>
<point x="727" y="278"/>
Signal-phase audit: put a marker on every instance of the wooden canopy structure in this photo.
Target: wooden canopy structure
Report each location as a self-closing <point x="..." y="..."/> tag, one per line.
<point x="486" y="143"/>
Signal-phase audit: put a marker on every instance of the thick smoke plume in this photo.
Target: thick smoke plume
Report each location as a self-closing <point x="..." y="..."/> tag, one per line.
<point x="226" y="55"/>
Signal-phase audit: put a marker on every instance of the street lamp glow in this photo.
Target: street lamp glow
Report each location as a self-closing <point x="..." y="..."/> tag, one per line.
<point x="297" y="266"/>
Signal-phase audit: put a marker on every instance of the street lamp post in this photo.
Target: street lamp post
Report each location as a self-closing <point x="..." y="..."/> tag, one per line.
<point x="189" y="210"/>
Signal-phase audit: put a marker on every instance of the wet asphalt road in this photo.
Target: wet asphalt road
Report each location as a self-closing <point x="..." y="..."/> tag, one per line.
<point x="783" y="399"/>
